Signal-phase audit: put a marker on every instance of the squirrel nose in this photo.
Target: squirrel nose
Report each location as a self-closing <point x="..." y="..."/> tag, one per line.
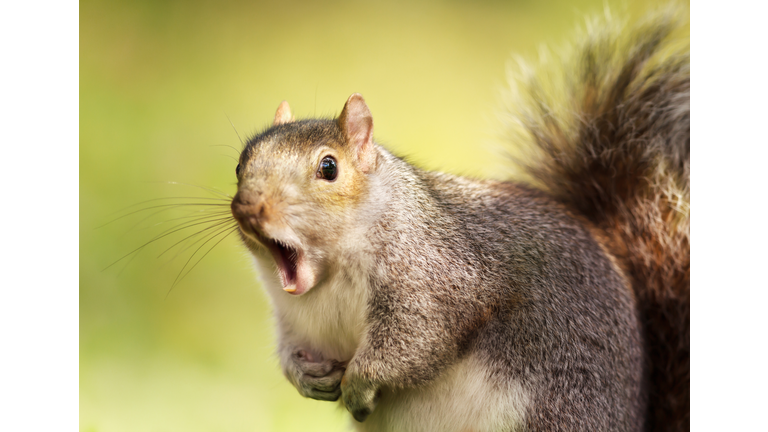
<point x="250" y="209"/>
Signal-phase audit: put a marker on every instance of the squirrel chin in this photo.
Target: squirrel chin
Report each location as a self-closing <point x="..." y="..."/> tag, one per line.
<point x="297" y="288"/>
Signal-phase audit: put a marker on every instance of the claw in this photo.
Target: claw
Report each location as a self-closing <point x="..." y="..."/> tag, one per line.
<point x="360" y="397"/>
<point x="361" y="414"/>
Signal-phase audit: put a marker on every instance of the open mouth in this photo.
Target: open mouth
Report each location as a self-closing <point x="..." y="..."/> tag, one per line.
<point x="287" y="260"/>
<point x="296" y="273"/>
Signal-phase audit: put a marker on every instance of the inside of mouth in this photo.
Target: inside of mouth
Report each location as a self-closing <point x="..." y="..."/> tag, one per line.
<point x="286" y="259"/>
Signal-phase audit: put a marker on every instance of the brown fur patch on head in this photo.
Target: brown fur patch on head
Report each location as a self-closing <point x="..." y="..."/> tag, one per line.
<point x="282" y="163"/>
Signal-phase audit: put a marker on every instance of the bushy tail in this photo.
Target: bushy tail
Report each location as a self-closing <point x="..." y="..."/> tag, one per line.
<point x="610" y="135"/>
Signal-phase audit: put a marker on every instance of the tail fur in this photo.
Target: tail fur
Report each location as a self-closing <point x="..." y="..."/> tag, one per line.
<point x="610" y="138"/>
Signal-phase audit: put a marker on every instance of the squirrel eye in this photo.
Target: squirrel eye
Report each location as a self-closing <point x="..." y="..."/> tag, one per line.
<point x="327" y="169"/>
<point x="238" y="169"/>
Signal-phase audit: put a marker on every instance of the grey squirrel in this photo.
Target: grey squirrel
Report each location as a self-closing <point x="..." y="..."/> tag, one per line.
<point x="431" y="302"/>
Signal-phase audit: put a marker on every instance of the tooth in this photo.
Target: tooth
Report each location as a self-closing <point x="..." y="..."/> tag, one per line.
<point x="290" y="289"/>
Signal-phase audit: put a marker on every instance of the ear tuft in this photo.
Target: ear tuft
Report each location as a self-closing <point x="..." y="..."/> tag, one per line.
<point x="356" y="123"/>
<point x="283" y="114"/>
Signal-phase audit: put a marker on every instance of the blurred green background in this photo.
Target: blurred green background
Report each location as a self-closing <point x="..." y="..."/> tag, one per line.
<point x="160" y="82"/>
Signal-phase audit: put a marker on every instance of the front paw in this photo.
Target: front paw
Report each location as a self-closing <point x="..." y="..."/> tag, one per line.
<point x="359" y="396"/>
<point x="315" y="377"/>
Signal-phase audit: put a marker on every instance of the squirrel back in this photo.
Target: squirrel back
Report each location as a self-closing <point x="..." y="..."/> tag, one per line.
<point x="610" y="139"/>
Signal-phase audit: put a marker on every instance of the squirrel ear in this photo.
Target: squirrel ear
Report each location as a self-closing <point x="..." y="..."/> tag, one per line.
<point x="283" y="114"/>
<point x="356" y="123"/>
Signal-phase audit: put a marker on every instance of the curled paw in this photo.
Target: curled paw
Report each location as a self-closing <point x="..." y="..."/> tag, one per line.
<point x="359" y="396"/>
<point x="315" y="377"/>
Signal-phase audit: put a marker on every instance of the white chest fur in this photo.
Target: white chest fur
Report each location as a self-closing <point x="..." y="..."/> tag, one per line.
<point x="464" y="398"/>
<point x="329" y="319"/>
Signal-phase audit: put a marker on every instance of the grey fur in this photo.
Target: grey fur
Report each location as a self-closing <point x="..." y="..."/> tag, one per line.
<point x="500" y="271"/>
<point x="529" y="283"/>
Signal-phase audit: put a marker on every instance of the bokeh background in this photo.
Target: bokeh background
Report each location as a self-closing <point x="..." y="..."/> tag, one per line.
<point x="166" y="87"/>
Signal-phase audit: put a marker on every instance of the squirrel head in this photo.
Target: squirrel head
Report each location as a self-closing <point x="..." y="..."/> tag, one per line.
<point x="300" y="184"/>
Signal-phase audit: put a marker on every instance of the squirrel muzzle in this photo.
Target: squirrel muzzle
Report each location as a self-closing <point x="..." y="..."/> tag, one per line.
<point x="258" y="220"/>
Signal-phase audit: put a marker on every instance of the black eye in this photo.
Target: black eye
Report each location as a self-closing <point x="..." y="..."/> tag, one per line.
<point x="238" y="170"/>
<point x="327" y="169"/>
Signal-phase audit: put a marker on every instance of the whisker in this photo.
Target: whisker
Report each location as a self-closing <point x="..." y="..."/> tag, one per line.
<point x="201" y="221"/>
<point x="168" y="206"/>
<point x="208" y="189"/>
<point x="179" y="278"/>
<point x="233" y="158"/>
<point x="203" y="213"/>
<point x="235" y="129"/>
<point x="217" y="213"/>
<point x="199" y="213"/>
<point x="226" y="145"/>
<point x="192" y="244"/>
<point x="156" y="238"/>
<point x="195" y="222"/>
<point x="218" y="223"/>
<point x="168" y="198"/>
<point x="127" y="263"/>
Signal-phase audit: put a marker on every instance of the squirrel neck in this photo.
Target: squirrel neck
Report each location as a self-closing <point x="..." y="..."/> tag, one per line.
<point x="405" y="195"/>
